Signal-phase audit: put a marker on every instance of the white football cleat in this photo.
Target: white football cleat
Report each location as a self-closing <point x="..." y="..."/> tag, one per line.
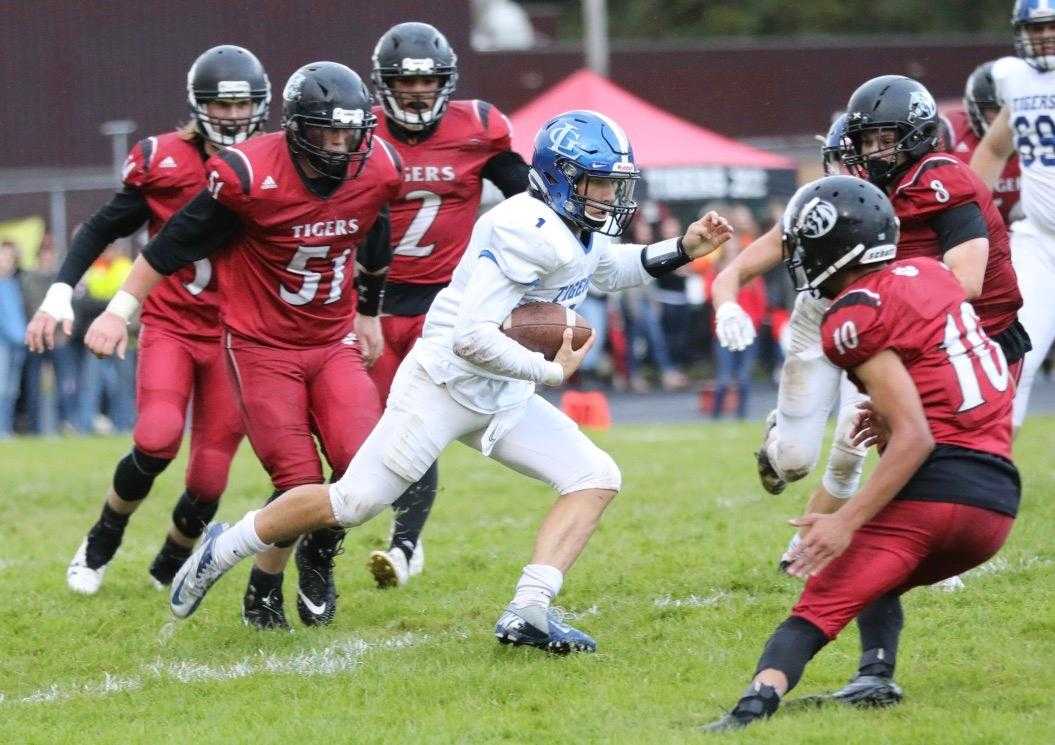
<point x="82" y="578"/>
<point x="949" y="584"/>
<point x="390" y="568"/>
<point x="417" y="559"/>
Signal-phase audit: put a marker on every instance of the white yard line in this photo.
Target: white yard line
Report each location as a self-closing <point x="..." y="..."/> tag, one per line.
<point x="333" y="659"/>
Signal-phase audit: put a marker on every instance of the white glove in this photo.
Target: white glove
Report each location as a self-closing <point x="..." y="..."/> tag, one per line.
<point x="734" y="328"/>
<point x="57" y="302"/>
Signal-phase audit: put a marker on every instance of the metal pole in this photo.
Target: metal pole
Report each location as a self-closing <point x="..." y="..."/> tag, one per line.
<point x="118" y="130"/>
<point x="57" y="212"/>
<point x="595" y="28"/>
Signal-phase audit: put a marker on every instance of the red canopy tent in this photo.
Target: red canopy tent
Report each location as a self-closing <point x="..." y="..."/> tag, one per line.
<point x="680" y="160"/>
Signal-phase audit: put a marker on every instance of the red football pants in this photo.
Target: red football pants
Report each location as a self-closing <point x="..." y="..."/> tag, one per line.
<point x="906" y="545"/>
<point x="172" y="369"/>
<point x="289" y="395"/>
<point x="400" y="334"/>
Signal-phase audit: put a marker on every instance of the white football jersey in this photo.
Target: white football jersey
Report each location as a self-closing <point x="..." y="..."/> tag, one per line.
<point x="544" y="261"/>
<point x="1030" y="98"/>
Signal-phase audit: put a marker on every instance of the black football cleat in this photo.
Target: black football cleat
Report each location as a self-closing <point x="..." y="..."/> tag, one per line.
<point x="167" y="562"/>
<point x="316" y="590"/>
<point x="757" y="704"/>
<point x="863" y="691"/>
<point x="263" y="609"/>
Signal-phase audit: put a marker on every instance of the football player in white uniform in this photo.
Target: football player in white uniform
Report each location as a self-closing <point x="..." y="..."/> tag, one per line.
<point x="1025" y="85"/>
<point x="465" y="380"/>
<point x="809" y="383"/>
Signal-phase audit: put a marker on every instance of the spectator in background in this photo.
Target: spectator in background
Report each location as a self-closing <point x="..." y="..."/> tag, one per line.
<point x="675" y="312"/>
<point x="59" y="410"/>
<point x="641" y="314"/>
<point x="111" y="376"/>
<point x="12" y="331"/>
<point x="733" y="370"/>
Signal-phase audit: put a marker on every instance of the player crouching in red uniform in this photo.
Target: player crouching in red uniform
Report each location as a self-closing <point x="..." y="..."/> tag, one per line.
<point x="945" y="492"/>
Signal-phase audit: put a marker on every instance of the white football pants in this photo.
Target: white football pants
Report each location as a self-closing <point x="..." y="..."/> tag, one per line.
<point x="810" y="385"/>
<point x="1033" y="254"/>
<point x="536" y="439"/>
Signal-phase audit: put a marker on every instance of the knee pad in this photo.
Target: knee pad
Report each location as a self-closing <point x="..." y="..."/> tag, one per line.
<point x="159" y="429"/>
<point x="190" y="516"/>
<point x="135" y="474"/>
<point x="603" y="473"/>
<point x="794" y="459"/>
<point x="409" y="452"/>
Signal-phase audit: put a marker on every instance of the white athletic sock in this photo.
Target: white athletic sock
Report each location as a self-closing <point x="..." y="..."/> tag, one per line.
<point x="238" y="541"/>
<point x="538" y="585"/>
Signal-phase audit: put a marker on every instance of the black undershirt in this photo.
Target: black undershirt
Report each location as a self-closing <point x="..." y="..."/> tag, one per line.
<point x="126" y="213"/>
<point x="963" y="476"/>
<point x="958" y="225"/>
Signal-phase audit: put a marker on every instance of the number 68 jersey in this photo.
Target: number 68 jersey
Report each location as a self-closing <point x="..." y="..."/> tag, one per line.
<point x="917" y="309"/>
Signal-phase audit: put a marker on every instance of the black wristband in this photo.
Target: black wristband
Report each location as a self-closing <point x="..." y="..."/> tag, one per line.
<point x="663" y="257"/>
<point x="371" y="289"/>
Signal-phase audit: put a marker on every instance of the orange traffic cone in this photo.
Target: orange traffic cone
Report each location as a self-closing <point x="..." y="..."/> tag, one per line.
<point x="587" y="408"/>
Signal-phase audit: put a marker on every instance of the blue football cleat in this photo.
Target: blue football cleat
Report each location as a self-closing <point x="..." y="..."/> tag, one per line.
<point x="544" y="628"/>
<point x="197" y="575"/>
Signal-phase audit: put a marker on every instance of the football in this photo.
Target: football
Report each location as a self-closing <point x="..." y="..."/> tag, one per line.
<point x="540" y="327"/>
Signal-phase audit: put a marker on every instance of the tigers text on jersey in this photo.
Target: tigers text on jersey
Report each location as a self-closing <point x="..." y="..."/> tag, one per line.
<point x="286" y="277"/>
<point x="917" y="309"/>
<point x="169" y="171"/>
<point x="964" y="142"/>
<point x="940" y="182"/>
<point x="1029" y="96"/>
<point x="442" y="183"/>
<point x="543" y="261"/>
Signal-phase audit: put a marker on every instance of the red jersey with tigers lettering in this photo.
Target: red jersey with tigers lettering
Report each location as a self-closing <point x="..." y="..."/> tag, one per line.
<point x="917" y="309"/>
<point x="286" y="277"/>
<point x="939" y="182"/>
<point x="442" y="183"/>
<point x="169" y="171"/>
<point x="964" y="141"/>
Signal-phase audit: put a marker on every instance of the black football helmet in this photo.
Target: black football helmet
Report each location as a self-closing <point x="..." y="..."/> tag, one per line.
<point x="1035" y="47"/>
<point x="835" y="147"/>
<point x="228" y="72"/>
<point x="414" y="50"/>
<point x="891" y="102"/>
<point x="833" y="224"/>
<point x="328" y="95"/>
<point x="979" y="96"/>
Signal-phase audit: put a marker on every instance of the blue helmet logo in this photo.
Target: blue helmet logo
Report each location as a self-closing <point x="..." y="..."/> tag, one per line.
<point x="583" y="168"/>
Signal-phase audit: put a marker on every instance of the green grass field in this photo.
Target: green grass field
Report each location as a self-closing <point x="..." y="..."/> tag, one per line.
<point x="678" y="586"/>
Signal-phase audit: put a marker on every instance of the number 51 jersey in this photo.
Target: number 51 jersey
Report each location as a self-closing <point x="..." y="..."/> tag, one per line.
<point x="1029" y="96"/>
<point x="917" y="309"/>
<point x="285" y="279"/>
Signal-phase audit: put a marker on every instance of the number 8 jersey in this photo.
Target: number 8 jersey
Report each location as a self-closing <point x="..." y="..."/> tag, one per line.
<point x="1029" y="96"/>
<point x="285" y="279"/>
<point x="918" y="310"/>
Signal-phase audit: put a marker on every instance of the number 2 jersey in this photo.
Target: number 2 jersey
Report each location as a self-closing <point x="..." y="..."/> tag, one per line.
<point x="917" y="309"/>
<point x="1029" y="96"/>
<point x="285" y="278"/>
<point x="168" y="171"/>
<point x="931" y="188"/>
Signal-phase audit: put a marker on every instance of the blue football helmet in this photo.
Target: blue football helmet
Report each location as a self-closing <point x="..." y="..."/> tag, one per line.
<point x="1031" y="43"/>
<point x="583" y="168"/>
<point x="836" y="146"/>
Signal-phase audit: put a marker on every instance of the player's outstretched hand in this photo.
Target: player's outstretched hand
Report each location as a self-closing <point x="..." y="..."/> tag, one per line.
<point x="871" y="428"/>
<point x="107" y="334"/>
<point x="570" y="359"/>
<point x="371" y="340"/>
<point x="57" y="307"/>
<point x="824" y="537"/>
<point x="706" y="234"/>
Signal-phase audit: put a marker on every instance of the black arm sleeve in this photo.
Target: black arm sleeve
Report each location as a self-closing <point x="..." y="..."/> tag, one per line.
<point x="124" y="215"/>
<point x="508" y="171"/>
<point x="959" y="225"/>
<point x="376" y="252"/>
<point x="196" y="231"/>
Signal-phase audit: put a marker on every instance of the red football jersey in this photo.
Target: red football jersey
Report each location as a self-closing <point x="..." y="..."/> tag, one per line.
<point x="286" y="278"/>
<point x="964" y="141"/>
<point x="169" y="171"/>
<point x="939" y="182"/>
<point x="442" y="183"/>
<point x="917" y="309"/>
